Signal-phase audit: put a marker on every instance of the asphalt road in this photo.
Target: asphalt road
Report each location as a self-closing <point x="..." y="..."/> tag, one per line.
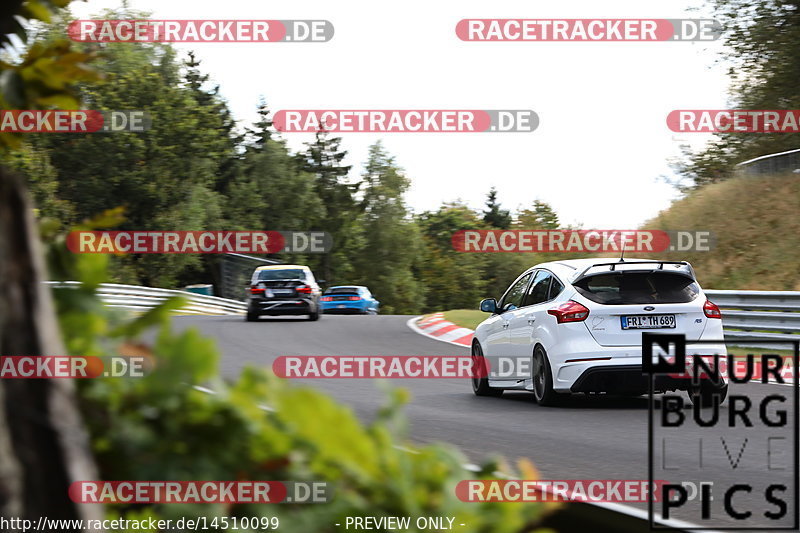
<point x="585" y="438"/>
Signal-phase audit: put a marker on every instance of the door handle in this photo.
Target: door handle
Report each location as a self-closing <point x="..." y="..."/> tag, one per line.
<point x="505" y="325"/>
<point x="531" y="321"/>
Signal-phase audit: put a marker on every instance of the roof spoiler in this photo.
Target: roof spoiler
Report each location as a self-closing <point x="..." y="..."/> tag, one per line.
<point x="613" y="266"/>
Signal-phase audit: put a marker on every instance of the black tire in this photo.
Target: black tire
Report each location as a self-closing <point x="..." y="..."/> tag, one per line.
<point x="542" y="378"/>
<point x="480" y="386"/>
<point x="314" y="315"/>
<point x="708" y="393"/>
<point x="251" y="317"/>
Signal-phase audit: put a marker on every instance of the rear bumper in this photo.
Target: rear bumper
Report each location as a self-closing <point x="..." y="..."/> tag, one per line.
<point x="295" y="306"/>
<point x="343" y="307"/>
<point x="616" y="369"/>
<point x="625" y="379"/>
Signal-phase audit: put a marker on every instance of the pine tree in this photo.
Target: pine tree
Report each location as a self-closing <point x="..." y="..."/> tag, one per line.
<point x="323" y="159"/>
<point x="493" y="215"/>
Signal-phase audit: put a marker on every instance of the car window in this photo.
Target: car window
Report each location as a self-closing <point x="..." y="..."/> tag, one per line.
<point x="342" y="290"/>
<point x="284" y="273"/>
<point x="366" y="293"/>
<point x="619" y="288"/>
<point x="540" y="288"/>
<point x="555" y="288"/>
<point x="515" y="293"/>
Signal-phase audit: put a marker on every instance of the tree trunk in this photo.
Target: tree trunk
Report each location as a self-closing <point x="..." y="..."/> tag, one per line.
<point x="43" y="444"/>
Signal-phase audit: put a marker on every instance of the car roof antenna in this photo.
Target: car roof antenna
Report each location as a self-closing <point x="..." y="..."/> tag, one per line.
<point x="622" y="254"/>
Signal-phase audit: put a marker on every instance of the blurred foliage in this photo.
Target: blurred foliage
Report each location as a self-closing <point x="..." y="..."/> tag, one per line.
<point x="159" y="427"/>
<point x="44" y="75"/>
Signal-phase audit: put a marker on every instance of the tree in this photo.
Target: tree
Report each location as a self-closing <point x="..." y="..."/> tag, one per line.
<point x="763" y="53"/>
<point x="540" y="216"/>
<point x="263" y="130"/>
<point x="323" y="159"/>
<point x="171" y="177"/>
<point x="43" y="444"/>
<point x="493" y="215"/>
<point x="452" y="280"/>
<point x="390" y="238"/>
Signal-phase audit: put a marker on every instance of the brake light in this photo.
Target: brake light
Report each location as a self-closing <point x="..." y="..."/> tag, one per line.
<point x="256" y="290"/>
<point x="570" y="311"/>
<point x="711" y="310"/>
<point x="327" y="298"/>
<point x="354" y="298"/>
<point x="305" y="289"/>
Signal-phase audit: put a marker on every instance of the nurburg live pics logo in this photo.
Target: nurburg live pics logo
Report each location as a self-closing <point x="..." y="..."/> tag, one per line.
<point x="741" y="452"/>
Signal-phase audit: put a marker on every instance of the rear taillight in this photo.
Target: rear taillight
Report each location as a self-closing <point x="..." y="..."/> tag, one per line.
<point x="354" y="298"/>
<point x="570" y="311"/>
<point x="256" y="290"/>
<point x="305" y="289"/>
<point x="711" y="310"/>
<point x="327" y="298"/>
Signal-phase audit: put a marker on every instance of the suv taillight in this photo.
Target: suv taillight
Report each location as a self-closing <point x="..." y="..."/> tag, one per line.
<point x="570" y="311"/>
<point x="256" y="290"/>
<point x="711" y="310"/>
<point x="305" y="289"/>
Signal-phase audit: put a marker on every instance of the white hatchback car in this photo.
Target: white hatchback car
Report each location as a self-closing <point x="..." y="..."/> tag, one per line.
<point x="579" y="324"/>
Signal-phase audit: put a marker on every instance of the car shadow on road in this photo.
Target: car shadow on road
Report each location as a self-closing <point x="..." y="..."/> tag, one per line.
<point x="583" y="401"/>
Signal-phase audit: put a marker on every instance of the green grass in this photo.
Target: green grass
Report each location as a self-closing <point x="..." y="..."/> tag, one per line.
<point x="466" y="318"/>
<point x="754" y="221"/>
<point x="741" y="351"/>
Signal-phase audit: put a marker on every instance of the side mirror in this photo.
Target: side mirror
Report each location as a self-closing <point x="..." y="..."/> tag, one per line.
<point x="489" y="305"/>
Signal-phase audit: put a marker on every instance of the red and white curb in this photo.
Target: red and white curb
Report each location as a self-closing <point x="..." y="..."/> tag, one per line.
<point x="436" y="327"/>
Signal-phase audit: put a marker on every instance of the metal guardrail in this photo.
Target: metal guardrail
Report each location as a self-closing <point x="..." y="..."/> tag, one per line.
<point x="788" y="161"/>
<point x="747" y="316"/>
<point x="140" y="298"/>
<point x="752" y="316"/>
<point x="236" y="271"/>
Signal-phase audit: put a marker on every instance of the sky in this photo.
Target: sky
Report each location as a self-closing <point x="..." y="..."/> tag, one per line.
<point x="602" y="148"/>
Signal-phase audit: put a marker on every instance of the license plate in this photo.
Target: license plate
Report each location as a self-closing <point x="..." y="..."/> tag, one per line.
<point x="268" y="293"/>
<point x="282" y="291"/>
<point x="341" y="306"/>
<point x="648" y="321"/>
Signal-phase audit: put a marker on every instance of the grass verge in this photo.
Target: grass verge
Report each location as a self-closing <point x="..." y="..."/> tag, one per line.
<point x="466" y="318"/>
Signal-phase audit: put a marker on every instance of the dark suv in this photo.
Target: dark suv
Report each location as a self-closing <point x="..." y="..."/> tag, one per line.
<point x="283" y="290"/>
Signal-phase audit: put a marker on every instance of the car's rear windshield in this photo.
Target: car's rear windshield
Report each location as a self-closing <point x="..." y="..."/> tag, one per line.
<point x="618" y="288"/>
<point x="288" y="273"/>
<point x="342" y="290"/>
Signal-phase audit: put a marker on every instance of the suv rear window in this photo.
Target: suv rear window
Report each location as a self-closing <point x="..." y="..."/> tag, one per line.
<point x="288" y="273"/>
<point x="619" y="288"/>
<point x="342" y="290"/>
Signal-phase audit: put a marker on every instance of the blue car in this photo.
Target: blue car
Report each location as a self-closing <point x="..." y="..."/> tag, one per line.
<point x="349" y="299"/>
